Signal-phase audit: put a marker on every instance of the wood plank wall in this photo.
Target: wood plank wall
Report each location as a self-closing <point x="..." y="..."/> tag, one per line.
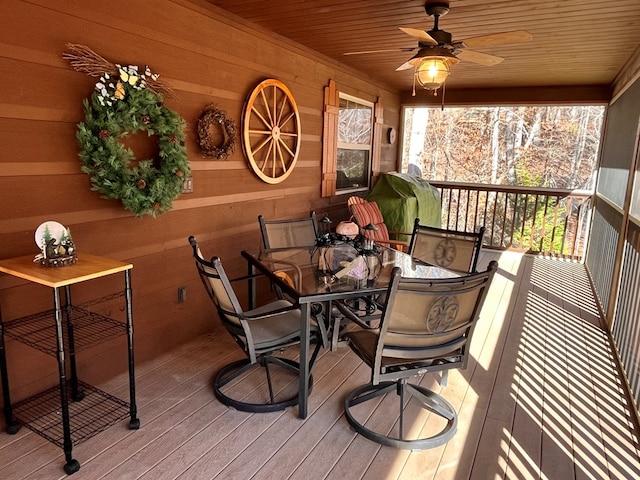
<point x="208" y="56"/>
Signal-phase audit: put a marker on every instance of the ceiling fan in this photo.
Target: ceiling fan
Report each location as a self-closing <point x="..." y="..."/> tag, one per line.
<point x="437" y="51"/>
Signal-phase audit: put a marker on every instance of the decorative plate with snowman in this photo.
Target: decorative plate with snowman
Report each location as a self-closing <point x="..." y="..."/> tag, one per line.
<point x="55" y="244"/>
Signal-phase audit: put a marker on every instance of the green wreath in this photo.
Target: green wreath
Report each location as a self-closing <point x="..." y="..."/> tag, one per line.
<point x="150" y="186"/>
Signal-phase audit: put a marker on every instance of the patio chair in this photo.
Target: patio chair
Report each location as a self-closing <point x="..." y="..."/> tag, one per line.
<point x="287" y="233"/>
<point x="296" y="232"/>
<point x="368" y="213"/>
<point x="259" y="332"/>
<point x="426" y="327"/>
<point x="451" y="249"/>
<point x="365" y="311"/>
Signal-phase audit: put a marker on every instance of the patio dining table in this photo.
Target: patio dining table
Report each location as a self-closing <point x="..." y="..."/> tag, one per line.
<point x="306" y="283"/>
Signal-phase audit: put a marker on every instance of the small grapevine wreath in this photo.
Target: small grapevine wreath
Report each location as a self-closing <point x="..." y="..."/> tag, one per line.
<point x="126" y="102"/>
<point x="211" y="119"/>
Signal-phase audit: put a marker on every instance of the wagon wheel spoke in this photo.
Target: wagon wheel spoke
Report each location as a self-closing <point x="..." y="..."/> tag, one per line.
<point x="260" y="132"/>
<point x="283" y="104"/>
<point x="265" y="102"/>
<point x="281" y="157"/>
<point x="264" y="120"/>
<point x="261" y="145"/>
<point x="265" y="161"/>
<point x="287" y="119"/>
<point x="285" y="146"/>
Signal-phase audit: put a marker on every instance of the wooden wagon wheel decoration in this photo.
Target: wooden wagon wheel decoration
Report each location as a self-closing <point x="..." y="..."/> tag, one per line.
<point x="271" y="131"/>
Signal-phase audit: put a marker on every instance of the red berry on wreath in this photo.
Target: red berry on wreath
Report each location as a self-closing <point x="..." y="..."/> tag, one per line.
<point x="173" y="138"/>
<point x="146" y="119"/>
<point x="180" y="173"/>
<point x="141" y="183"/>
<point x="104" y="134"/>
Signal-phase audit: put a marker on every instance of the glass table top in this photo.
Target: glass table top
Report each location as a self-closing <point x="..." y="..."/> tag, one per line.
<point x="340" y="268"/>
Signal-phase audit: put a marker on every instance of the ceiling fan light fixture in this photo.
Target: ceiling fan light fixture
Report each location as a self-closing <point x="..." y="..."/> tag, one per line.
<point x="432" y="72"/>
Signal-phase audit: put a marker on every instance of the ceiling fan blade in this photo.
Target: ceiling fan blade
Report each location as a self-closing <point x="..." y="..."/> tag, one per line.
<point x="415" y="61"/>
<point x="477" y="57"/>
<point x="406" y="65"/>
<point x="363" y="52"/>
<point x="419" y="35"/>
<point x="497" y="39"/>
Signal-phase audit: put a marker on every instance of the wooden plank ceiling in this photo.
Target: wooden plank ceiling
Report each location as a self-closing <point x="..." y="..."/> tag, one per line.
<point x="575" y="42"/>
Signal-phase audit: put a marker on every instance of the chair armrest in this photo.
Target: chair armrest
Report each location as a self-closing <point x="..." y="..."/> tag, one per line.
<point x="246" y="277"/>
<point x="271" y="313"/>
<point x="394" y="242"/>
<point x="397" y="244"/>
<point x="293" y="267"/>
<point x="348" y="313"/>
<point x="422" y="262"/>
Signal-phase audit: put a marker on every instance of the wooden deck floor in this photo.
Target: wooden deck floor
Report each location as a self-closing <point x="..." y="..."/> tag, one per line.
<point x="540" y="399"/>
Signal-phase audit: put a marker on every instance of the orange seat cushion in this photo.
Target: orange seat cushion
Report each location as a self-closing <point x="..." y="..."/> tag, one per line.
<point x="369" y="213"/>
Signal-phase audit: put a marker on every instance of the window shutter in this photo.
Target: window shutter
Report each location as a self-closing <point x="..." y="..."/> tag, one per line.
<point x="330" y="139"/>
<point x="378" y="127"/>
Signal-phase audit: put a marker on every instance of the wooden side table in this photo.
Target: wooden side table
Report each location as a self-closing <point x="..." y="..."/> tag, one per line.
<point x="92" y="410"/>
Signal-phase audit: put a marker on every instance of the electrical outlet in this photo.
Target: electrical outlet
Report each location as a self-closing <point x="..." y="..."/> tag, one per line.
<point x="187" y="186"/>
<point x="182" y="294"/>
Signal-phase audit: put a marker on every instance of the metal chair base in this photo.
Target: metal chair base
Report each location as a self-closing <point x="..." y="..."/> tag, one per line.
<point x="234" y="370"/>
<point x="430" y="401"/>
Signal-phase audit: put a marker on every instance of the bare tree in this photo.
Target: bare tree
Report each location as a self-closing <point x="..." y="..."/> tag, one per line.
<point x="538" y="146"/>
<point x="495" y="144"/>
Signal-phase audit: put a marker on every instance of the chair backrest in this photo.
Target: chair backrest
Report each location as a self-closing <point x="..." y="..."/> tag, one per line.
<point x="296" y="232"/>
<point x="365" y="213"/>
<point x="450" y="249"/>
<point x="428" y="323"/>
<point x="219" y="289"/>
<point x="355" y="199"/>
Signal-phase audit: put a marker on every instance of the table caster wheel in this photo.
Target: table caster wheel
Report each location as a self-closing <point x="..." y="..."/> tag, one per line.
<point x="71" y="467"/>
<point x="134" y="424"/>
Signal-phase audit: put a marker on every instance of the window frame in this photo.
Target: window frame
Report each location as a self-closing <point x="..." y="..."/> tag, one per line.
<point x="357" y="147"/>
<point x="330" y="138"/>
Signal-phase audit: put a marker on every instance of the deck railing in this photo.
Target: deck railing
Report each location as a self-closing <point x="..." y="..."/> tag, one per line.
<point x="554" y="222"/>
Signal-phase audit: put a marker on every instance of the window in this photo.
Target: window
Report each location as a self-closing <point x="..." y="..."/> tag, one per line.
<point x="355" y="137"/>
<point x="541" y="146"/>
<point x="524" y="172"/>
